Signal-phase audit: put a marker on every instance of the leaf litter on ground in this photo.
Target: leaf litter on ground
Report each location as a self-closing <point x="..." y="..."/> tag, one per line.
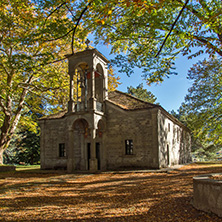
<point x="109" y="196"/>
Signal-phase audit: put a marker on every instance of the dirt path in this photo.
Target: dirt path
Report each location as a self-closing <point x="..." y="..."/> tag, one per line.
<point x="130" y="196"/>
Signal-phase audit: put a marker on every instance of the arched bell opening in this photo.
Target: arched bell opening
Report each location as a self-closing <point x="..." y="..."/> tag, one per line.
<point x="88" y="81"/>
<point x="99" y="83"/>
<point x="81" y="87"/>
<point x="85" y="88"/>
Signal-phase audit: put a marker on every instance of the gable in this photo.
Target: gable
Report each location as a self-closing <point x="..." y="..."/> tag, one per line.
<point x="128" y="102"/>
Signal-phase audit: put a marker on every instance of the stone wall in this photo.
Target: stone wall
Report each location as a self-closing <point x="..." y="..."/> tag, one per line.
<point x="53" y="132"/>
<point x="174" y="141"/>
<point x="140" y="126"/>
<point x="207" y="194"/>
<point x="158" y="141"/>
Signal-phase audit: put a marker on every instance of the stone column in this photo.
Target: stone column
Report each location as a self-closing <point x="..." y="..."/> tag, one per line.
<point x="93" y="164"/>
<point x="93" y="92"/>
<point x="70" y="160"/>
<point x="82" y="154"/>
<point x="71" y="102"/>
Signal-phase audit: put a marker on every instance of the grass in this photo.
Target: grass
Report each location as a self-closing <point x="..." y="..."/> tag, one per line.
<point x="27" y="167"/>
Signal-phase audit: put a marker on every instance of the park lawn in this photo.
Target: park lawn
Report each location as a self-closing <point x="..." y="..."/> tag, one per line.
<point x="27" y="167"/>
<point x="109" y="196"/>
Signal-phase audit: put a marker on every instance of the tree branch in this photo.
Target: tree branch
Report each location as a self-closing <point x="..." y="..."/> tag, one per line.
<point x="2" y="105"/>
<point x="172" y="27"/>
<point x="70" y="12"/>
<point x="58" y="7"/>
<point x="48" y="63"/>
<point x="51" y="40"/>
<point x="4" y="51"/>
<point x="77" y="23"/>
<point x="6" y="71"/>
<point x="19" y="108"/>
<point x="208" y="44"/>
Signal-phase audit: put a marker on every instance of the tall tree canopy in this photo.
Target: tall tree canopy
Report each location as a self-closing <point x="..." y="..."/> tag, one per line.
<point x="27" y="50"/>
<point x="202" y="109"/>
<point x="141" y="93"/>
<point x="138" y="28"/>
<point x="35" y="35"/>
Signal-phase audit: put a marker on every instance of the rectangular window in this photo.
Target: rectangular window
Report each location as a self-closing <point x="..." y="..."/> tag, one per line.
<point x="129" y="147"/>
<point x="178" y="134"/>
<point x="168" y="127"/>
<point x="62" y="150"/>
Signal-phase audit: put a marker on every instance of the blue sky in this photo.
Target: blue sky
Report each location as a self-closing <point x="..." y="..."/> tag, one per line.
<point x="170" y="94"/>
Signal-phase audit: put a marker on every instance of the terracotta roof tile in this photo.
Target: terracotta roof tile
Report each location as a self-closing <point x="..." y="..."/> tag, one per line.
<point x="128" y="102"/>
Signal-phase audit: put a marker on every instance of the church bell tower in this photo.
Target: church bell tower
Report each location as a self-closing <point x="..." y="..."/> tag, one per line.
<point x="87" y="93"/>
<point x="88" y="81"/>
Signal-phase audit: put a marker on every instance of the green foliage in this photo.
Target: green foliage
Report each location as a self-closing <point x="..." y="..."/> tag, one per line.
<point x="204" y="151"/>
<point x="202" y="109"/>
<point x="203" y="104"/>
<point x="30" y="43"/>
<point x="24" y="148"/>
<point x="138" y="28"/>
<point x="141" y="93"/>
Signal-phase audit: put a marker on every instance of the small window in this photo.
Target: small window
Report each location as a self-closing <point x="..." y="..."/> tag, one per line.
<point x="168" y="127"/>
<point x="62" y="150"/>
<point x="129" y="147"/>
<point x="178" y="134"/>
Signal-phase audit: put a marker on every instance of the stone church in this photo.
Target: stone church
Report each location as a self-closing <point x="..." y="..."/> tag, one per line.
<point x="104" y="130"/>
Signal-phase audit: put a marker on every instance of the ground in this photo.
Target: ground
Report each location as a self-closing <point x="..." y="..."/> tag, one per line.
<point x="33" y="195"/>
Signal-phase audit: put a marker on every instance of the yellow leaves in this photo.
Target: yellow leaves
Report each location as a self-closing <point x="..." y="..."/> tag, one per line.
<point x="28" y="196"/>
<point x="135" y="3"/>
<point x="100" y="21"/>
<point x="127" y="3"/>
<point x="113" y="80"/>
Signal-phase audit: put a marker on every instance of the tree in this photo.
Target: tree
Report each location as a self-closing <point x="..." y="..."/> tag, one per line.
<point x="113" y="80"/>
<point x="150" y="33"/>
<point x="138" y="28"/>
<point x="203" y="104"/>
<point x="28" y="48"/>
<point x="24" y="148"/>
<point x="35" y="35"/>
<point x="141" y="93"/>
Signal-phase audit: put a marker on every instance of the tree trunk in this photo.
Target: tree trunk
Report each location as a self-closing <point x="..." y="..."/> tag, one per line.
<point x="4" y="136"/>
<point x="10" y="124"/>
<point x="1" y="156"/>
<point x="4" y="142"/>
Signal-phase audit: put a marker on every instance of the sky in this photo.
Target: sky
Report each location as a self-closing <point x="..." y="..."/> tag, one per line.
<point x="171" y="93"/>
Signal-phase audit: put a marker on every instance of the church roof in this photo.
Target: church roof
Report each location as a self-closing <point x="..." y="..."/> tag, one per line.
<point x="128" y="102"/>
<point x="54" y="116"/>
<point x="124" y="101"/>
